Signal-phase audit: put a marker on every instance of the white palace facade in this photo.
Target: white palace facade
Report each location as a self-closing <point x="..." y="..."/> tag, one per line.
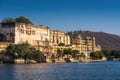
<point x="42" y="37"/>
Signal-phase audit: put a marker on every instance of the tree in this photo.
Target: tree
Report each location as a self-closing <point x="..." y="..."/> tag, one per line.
<point x="115" y="53"/>
<point x="61" y="44"/>
<point x="20" y="49"/>
<point x="37" y="56"/>
<point x="8" y="20"/>
<point x="24" y="51"/>
<point x="106" y="53"/>
<point x="67" y="51"/>
<point x="22" y="19"/>
<point x="11" y="50"/>
<point x="96" y="55"/>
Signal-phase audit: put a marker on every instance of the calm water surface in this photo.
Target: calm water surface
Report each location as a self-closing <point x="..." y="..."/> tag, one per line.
<point x="108" y="70"/>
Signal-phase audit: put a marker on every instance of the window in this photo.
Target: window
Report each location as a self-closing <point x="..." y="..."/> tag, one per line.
<point x="33" y="32"/>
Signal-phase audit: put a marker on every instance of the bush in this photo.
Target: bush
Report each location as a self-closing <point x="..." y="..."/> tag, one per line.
<point x="24" y="51"/>
<point x="96" y="55"/>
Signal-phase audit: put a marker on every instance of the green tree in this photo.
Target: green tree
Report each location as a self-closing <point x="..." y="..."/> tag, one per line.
<point x="115" y="53"/>
<point x="22" y="19"/>
<point x="24" y="51"/>
<point x="67" y="51"/>
<point x="61" y="44"/>
<point x="11" y="50"/>
<point x="37" y="56"/>
<point x="106" y="53"/>
<point x="97" y="55"/>
<point x="20" y="49"/>
<point x="8" y="20"/>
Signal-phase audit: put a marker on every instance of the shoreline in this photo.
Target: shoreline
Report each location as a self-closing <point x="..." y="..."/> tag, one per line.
<point x="64" y="62"/>
<point x="21" y="61"/>
<point x="52" y="61"/>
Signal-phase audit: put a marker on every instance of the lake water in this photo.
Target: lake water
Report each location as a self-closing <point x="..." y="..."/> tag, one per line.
<point x="109" y="70"/>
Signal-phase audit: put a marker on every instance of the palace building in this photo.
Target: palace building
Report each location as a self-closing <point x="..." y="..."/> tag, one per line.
<point x="38" y="36"/>
<point x="57" y="37"/>
<point x="85" y="45"/>
<point x="45" y="39"/>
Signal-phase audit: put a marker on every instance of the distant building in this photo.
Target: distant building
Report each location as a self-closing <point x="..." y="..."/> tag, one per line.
<point x="85" y="45"/>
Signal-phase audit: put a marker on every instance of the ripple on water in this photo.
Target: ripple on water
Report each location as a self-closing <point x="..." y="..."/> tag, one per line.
<point x="61" y="71"/>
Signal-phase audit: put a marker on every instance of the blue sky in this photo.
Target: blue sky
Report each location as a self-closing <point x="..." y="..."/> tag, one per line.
<point x="67" y="15"/>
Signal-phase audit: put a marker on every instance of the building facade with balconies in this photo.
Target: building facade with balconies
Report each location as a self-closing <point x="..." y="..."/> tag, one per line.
<point x="45" y="39"/>
<point x="41" y="37"/>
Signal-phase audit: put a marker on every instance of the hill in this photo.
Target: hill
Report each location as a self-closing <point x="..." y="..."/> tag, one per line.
<point x="106" y="40"/>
